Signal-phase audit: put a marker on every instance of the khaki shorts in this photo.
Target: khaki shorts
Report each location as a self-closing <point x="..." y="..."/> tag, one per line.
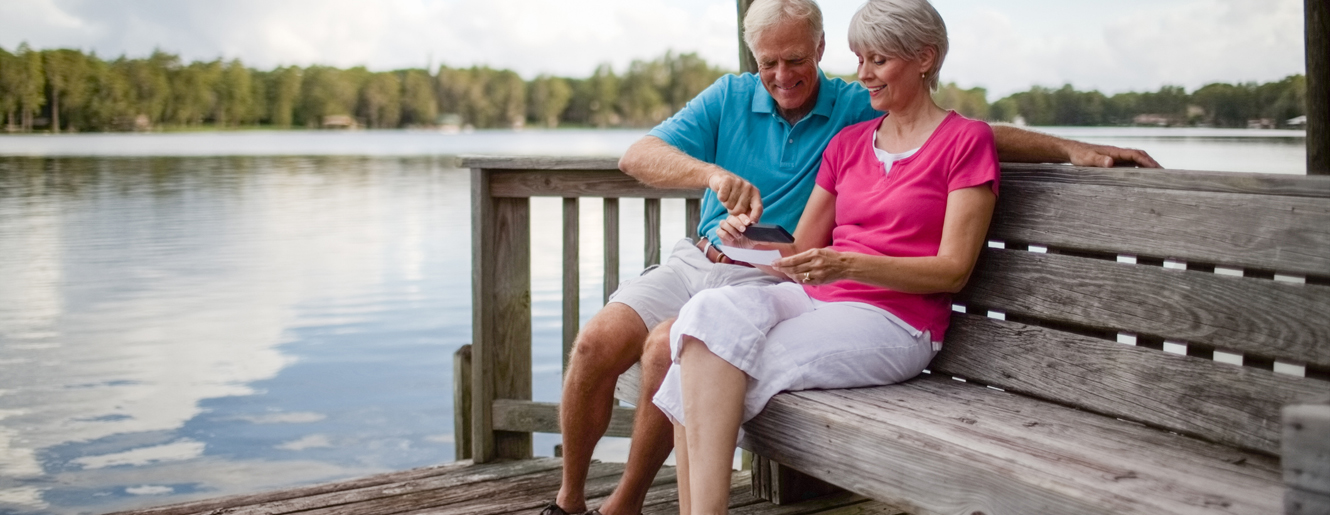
<point x="659" y="292"/>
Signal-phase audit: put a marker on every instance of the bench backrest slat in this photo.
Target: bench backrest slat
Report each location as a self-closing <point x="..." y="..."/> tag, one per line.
<point x="1229" y="404"/>
<point x="1252" y="316"/>
<point x="1265" y="232"/>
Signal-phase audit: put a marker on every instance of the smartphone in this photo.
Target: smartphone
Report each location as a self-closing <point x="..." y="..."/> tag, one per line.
<point x="771" y="233"/>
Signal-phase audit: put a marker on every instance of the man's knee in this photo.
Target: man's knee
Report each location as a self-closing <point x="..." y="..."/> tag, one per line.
<point x="613" y="338"/>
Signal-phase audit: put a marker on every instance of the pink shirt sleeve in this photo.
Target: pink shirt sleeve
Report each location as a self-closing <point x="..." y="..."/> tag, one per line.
<point x="976" y="160"/>
<point x="829" y="173"/>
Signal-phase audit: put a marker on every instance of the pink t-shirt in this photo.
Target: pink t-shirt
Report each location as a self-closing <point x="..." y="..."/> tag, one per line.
<point x="900" y="213"/>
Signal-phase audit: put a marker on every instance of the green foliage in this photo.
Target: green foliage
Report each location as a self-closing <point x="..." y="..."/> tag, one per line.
<point x="972" y="103"/>
<point x="1216" y="105"/>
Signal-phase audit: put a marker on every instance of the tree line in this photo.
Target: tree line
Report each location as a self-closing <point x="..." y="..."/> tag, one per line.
<point x="68" y="90"/>
<point x="1267" y="105"/>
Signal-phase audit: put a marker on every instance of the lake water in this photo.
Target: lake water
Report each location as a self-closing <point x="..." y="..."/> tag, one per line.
<point x="202" y="314"/>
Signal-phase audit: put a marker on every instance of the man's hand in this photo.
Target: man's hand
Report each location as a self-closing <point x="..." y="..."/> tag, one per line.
<point x="740" y="197"/>
<point x="1104" y="156"/>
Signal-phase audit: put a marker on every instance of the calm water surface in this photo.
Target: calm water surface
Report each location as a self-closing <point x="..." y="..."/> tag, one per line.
<point x="234" y="315"/>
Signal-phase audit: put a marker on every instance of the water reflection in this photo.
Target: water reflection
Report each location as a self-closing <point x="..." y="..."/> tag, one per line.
<point x="175" y="328"/>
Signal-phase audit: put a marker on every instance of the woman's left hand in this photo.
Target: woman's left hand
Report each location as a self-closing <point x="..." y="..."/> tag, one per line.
<point x="815" y="266"/>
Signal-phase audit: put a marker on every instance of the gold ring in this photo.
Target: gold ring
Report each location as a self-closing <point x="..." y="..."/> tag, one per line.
<point x="807" y="276"/>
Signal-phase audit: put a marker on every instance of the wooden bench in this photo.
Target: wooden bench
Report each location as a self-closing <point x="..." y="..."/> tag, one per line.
<point x="1126" y="345"/>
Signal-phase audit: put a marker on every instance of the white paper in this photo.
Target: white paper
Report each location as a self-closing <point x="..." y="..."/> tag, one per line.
<point x="756" y="257"/>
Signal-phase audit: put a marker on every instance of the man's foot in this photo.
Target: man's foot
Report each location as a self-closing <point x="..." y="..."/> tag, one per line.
<point x="553" y="509"/>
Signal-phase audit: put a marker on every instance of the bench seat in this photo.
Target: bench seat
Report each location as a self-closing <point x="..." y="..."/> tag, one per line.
<point x="964" y="448"/>
<point x="939" y="445"/>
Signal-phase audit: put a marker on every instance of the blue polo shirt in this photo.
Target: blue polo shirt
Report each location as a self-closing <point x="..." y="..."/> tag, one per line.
<point x="734" y="124"/>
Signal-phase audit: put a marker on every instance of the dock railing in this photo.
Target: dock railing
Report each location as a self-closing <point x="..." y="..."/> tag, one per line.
<point x="495" y="414"/>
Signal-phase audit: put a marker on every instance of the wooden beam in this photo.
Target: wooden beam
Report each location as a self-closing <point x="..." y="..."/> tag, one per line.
<point x="501" y="319"/>
<point x="572" y="282"/>
<point x="543" y="417"/>
<point x="1318" y="82"/>
<point x="747" y="64"/>
<point x="462" y="403"/>
<point x="1306" y="457"/>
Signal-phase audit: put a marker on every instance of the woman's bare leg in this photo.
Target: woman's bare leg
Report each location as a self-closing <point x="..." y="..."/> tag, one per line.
<point x="681" y="468"/>
<point x="713" y="396"/>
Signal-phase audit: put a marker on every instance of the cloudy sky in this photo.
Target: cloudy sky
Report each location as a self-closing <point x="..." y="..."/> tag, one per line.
<point x="1006" y="46"/>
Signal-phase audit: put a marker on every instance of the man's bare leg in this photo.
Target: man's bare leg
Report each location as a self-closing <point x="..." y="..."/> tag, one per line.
<point x="609" y="344"/>
<point x="653" y="435"/>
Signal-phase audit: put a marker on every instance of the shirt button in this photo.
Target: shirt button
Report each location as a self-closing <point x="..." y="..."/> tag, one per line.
<point x="791" y="141"/>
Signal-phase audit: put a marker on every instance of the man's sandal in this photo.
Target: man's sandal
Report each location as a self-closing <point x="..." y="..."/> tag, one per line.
<point x="553" y="509"/>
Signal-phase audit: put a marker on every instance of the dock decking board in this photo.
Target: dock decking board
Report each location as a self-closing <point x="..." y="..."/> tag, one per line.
<point x="512" y="487"/>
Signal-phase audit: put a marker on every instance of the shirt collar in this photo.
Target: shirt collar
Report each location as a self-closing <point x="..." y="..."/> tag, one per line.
<point x="826" y="99"/>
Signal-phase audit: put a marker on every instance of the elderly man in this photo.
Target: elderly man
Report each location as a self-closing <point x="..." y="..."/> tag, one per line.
<point x="755" y="142"/>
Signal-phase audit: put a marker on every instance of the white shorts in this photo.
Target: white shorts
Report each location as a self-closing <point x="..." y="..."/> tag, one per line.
<point x="658" y="293"/>
<point x="785" y="340"/>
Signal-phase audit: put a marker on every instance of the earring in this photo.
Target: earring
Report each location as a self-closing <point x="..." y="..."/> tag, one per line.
<point x="923" y="76"/>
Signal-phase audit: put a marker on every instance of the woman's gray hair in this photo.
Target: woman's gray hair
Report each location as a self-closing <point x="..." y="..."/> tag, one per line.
<point x="765" y="14"/>
<point x="902" y="29"/>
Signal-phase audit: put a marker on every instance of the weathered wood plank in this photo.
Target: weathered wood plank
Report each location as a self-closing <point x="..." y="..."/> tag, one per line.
<point x="651" y="223"/>
<point x="611" y="247"/>
<point x="692" y="217"/>
<point x="462" y="403"/>
<point x="629" y="384"/>
<point x="1300" y="502"/>
<point x="785" y="485"/>
<point x="543" y="417"/>
<point x="572" y="277"/>
<point x="510" y="354"/>
<point x="460" y="501"/>
<point x="1306" y="446"/>
<point x="1216" y="182"/>
<point x="541" y="163"/>
<point x="601" y="480"/>
<point x="459" y="485"/>
<point x="1316" y="31"/>
<point x="1254" y="316"/>
<point x="828" y="502"/>
<point x="740" y="496"/>
<point x="933" y="445"/>
<point x="579" y="183"/>
<point x="483" y="226"/>
<point x="1286" y="234"/>
<point x="1166" y="390"/>
<point x="208" y="505"/>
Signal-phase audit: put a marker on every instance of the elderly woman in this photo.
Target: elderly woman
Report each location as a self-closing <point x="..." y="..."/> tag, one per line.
<point x="892" y="229"/>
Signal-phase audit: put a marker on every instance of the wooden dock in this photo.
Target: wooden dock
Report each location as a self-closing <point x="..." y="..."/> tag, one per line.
<point x="516" y="487"/>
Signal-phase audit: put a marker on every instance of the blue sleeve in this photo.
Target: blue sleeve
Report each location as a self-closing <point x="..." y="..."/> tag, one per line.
<point x="695" y="128"/>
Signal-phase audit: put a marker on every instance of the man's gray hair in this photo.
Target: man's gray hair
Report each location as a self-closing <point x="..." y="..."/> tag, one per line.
<point x="900" y="29"/>
<point x="765" y="14"/>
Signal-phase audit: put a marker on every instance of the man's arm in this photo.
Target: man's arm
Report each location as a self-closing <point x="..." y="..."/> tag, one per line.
<point x="1023" y="146"/>
<point x="657" y="163"/>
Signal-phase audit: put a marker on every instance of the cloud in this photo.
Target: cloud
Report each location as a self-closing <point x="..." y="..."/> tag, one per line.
<point x="1189" y="43"/>
<point x="307" y="442"/>
<point x="183" y="449"/>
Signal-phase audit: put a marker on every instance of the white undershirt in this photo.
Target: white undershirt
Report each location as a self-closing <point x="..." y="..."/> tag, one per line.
<point x="887" y="158"/>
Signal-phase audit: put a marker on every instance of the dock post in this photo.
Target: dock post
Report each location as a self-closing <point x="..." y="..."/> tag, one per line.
<point x="1318" y="82"/>
<point x="747" y="63"/>
<point x="462" y="403"/>
<point x="1305" y="449"/>
<point x="501" y="316"/>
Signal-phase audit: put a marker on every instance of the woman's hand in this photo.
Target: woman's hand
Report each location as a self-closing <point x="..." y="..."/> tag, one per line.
<point x="731" y="231"/>
<point x="816" y="266"/>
